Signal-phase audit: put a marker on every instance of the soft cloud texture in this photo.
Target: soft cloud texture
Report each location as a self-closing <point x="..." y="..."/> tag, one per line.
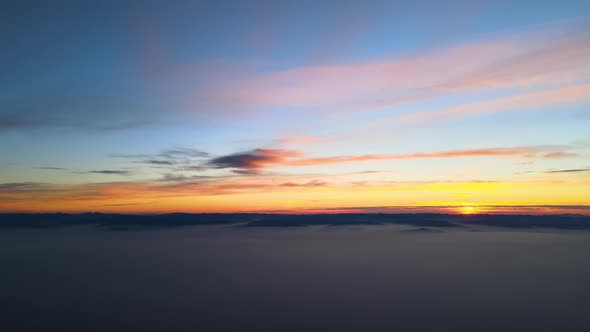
<point x="544" y="59"/>
<point x="258" y="159"/>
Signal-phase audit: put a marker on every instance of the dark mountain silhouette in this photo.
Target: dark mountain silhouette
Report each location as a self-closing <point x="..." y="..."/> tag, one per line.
<point x="422" y="220"/>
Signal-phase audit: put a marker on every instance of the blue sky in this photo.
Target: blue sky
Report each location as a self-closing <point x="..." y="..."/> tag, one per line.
<point x="91" y="92"/>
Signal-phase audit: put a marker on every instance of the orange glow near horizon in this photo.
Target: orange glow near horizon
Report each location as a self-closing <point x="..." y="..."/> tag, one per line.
<point x="468" y="210"/>
<point x="306" y="195"/>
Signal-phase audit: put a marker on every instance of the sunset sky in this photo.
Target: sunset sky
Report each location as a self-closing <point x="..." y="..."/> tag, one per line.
<point x="295" y="107"/>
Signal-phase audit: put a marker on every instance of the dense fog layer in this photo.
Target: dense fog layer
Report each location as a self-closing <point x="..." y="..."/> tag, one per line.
<point x="317" y="278"/>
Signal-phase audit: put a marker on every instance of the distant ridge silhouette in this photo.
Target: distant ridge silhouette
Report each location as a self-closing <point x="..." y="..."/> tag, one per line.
<point x="131" y="221"/>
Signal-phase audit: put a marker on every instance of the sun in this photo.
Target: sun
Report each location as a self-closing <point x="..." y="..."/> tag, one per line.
<point x="467" y="209"/>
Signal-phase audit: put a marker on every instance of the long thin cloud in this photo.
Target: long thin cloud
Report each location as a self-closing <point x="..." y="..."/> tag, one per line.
<point x="529" y="152"/>
<point x="251" y="162"/>
<point x="567" y="96"/>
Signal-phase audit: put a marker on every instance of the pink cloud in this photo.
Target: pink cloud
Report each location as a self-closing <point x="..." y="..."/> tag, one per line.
<point x="567" y="96"/>
<point x="252" y="162"/>
<point x="297" y="140"/>
<point x="541" y="59"/>
<point x="529" y="152"/>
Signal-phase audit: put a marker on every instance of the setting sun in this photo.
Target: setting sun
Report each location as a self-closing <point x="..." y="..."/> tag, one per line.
<point x="468" y="210"/>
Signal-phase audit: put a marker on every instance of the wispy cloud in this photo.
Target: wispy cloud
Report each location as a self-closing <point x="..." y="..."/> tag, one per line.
<point x="542" y="59"/>
<point x="101" y="171"/>
<point x="523" y="163"/>
<point x="20" y="186"/>
<point x="313" y="183"/>
<point x="30" y="191"/>
<point x="182" y="152"/>
<point x="16" y="121"/>
<point x="489" y="152"/>
<point x="297" y="140"/>
<point x="174" y="153"/>
<point x="107" y="172"/>
<point x="570" y="170"/>
<point x="567" y="96"/>
<point x="252" y="162"/>
<point x="556" y="171"/>
<point x="32" y="120"/>
<point x="158" y="162"/>
<point x="181" y="158"/>
<point x="172" y="177"/>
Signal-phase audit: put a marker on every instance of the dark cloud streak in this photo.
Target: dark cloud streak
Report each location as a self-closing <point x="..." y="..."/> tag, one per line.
<point x="251" y="162"/>
<point x="19" y="186"/>
<point x="9" y="122"/>
<point x="573" y="170"/>
<point x="176" y="159"/>
<point x="106" y="172"/>
<point x="313" y="183"/>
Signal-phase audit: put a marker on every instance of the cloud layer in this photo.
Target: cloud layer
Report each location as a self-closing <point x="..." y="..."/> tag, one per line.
<point x="253" y="161"/>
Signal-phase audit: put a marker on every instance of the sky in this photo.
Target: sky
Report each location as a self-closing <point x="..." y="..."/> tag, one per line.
<point x="295" y="106"/>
